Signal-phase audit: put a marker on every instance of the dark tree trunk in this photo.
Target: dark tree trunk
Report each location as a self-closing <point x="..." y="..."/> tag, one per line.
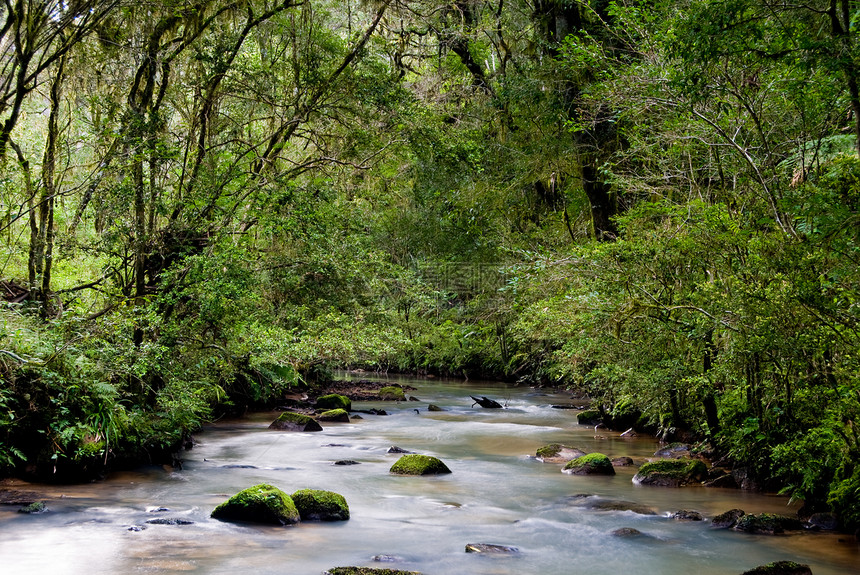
<point x="603" y="205"/>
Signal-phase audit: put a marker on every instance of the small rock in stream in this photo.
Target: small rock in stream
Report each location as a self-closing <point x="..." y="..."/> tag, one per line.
<point x="170" y="521"/>
<point x="490" y="549"/>
<point x="395" y="449"/>
<point x="346" y="462"/>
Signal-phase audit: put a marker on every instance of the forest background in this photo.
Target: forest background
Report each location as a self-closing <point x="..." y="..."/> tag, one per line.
<point x="206" y="204"/>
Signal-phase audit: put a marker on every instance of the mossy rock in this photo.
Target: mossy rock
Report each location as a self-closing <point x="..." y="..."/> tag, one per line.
<point x="415" y="464"/>
<point x="780" y="568"/>
<point x="727" y="519"/>
<point x="334" y="401"/>
<point x="33" y="508"/>
<point x="289" y="421"/>
<point x="367" y="571"/>
<point x="589" y="417"/>
<point x="392" y="393"/>
<point x="671" y="472"/>
<point x="557" y="453"/>
<point x="261" y="503"/>
<point x="340" y="415"/>
<point x="767" y="523"/>
<point x="591" y="464"/>
<point x="318" y="505"/>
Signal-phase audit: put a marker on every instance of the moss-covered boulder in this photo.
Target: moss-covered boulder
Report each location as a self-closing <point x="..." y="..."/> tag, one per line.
<point x="289" y="421"/>
<point x="767" y="523"/>
<point x="367" y="571"/>
<point x="319" y="505"/>
<point x="334" y="401"/>
<point x="415" y="464"/>
<point x="557" y="453"/>
<point x="591" y="464"/>
<point x="780" y="568"/>
<point x="589" y="417"/>
<point x="33" y="508"/>
<point x="339" y="415"/>
<point x="671" y="472"/>
<point x="392" y="393"/>
<point x="261" y="503"/>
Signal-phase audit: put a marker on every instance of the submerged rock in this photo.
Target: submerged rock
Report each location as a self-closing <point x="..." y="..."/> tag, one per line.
<point x="334" y="401"/>
<point x="627" y="532"/>
<point x="622" y="461"/>
<point x="433" y="407"/>
<point x="346" y="462"/>
<point x="591" y="464"/>
<point x="557" y="453"/>
<point x="170" y="521"/>
<point x="415" y="464"/>
<point x="339" y="415"/>
<point x="780" y="568"/>
<point x="490" y="549"/>
<point x="671" y="472"/>
<point x="728" y="519"/>
<point x="261" y="503"/>
<point x="289" y="421"/>
<point x="319" y="505"/>
<point x="822" y="521"/>
<point x="600" y="504"/>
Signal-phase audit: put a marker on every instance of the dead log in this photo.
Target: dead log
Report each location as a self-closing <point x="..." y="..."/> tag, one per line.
<point x="486" y="402"/>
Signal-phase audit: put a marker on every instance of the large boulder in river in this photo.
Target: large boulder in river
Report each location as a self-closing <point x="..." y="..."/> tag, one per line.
<point x="340" y="415"/>
<point x="591" y="464"/>
<point x="767" y="523"/>
<point x="319" y="505"/>
<point x="557" y="453"/>
<point x="415" y="464"/>
<point x="780" y="568"/>
<point x="671" y="472"/>
<point x="261" y="503"/>
<point x="289" y="421"/>
<point x="334" y="401"/>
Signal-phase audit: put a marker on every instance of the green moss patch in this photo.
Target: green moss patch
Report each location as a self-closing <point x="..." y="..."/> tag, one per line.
<point x="392" y="393"/>
<point x="415" y="464"/>
<point x="261" y="503"/>
<point x="671" y="472"/>
<point x="318" y="505"/>
<point x="289" y="421"/>
<point x="767" y="523"/>
<point x="334" y="415"/>
<point x="334" y="401"/>
<point x="591" y="464"/>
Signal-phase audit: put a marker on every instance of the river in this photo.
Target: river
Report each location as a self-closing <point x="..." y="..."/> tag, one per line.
<point x="496" y="494"/>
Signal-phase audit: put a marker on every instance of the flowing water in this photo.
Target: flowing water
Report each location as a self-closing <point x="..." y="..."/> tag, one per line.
<point x="496" y="494"/>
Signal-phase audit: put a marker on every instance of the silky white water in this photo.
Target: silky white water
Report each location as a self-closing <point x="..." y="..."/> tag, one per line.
<point x="495" y="494"/>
